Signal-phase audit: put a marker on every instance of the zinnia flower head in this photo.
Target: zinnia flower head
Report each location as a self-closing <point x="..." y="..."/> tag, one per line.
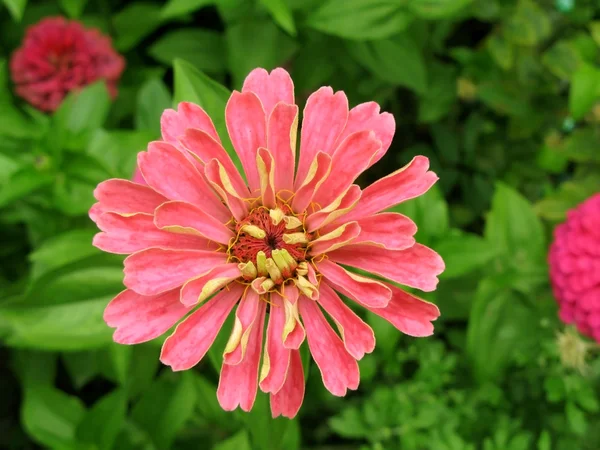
<point x="203" y="239"/>
<point x="57" y="56"/>
<point x="575" y="267"/>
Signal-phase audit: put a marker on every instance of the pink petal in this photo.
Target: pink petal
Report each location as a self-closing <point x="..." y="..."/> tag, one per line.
<point x="138" y="178"/>
<point x="187" y="219"/>
<point x="139" y="318"/>
<point x="389" y="230"/>
<point x="125" y="197"/>
<point x="173" y="124"/>
<point x="366" y="116"/>
<point x="129" y="234"/>
<point x="246" y="124"/>
<point x="266" y="173"/>
<point x="200" y="288"/>
<point x="417" y="266"/>
<point x="169" y="172"/>
<point x="335" y="239"/>
<point x="324" y="118"/>
<point x="288" y="400"/>
<point x="293" y="332"/>
<point x="157" y="270"/>
<point x="246" y="315"/>
<point x="270" y="88"/>
<point x="338" y="208"/>
<point x="351" y="158"/>
<point x="316" y="176"/>
<point x="365" y="291"/>
<point x="408" y="313"/>
<point x="408" y="182"/>
<point x="277" y="357"/>
<point x="338" y="368"/>
<point x="217" y="177"/>
<point x="358" y="337"/>
<point x="281" y="141"/>
<point x="238" y="383"/>
<point x="194" y="336"/>
<point x="207" y="148"/>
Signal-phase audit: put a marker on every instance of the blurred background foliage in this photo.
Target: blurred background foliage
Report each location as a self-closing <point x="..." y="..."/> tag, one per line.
<point x="501" y="95"/>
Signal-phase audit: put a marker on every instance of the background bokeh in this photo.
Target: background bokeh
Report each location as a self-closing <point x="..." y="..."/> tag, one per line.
<point x="501" y="95"/>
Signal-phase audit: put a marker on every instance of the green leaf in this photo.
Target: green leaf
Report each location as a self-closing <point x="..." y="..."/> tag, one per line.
<point x="576" y="418"/>
<point x="381" y="58"/>
<point x="23" y="183"/>
<point x="73" y="197"/>
<point x="265" y="431"/>
<point x="238" y="441"/>
<point x="504" y="99"/>
<point x="562" y="59"/>
<point x="437" y="9"/>
<point x="16" y="8"/>
<point x="73" y="8"/>
<point x="582" y="145"/>
<point x="202" y="48"/>
<point x="72" y="326"/>
<point x="215" y="352"/>
<point x="134" y="22"/>
<point x="34" y="368"/>
<point x="440" y="95"/>
<point x="501" y="50"/>
<point x="595" y="31"/>
<point x="386" y="334"/>
<point x="177" y="8"/>
<point x="82" y="367"/>
<point x="120" y="357"/>
<point x="360" y="19"/>
<point x="568" y="195"/>
<point x="152" y="99"/>
<point x="165" y="408"/>
<point x="51" y="417"/>
<point x="545" y="441"/>
<point x="584" y="91"/>
<point x="529" y="25"/>
<point x="256" y="43"/>
<point x="209" y="407"/>
<point x="14" y="123"/>
<point x="102" y="423"/>
<point x="281" y="14"/>
<point x="464" y="253"/>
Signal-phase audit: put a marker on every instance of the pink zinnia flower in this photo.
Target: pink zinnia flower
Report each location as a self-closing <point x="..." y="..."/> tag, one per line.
<point x="575" y="267"/>
<point x="198" y="234"/>
<point x="58" y="56"/>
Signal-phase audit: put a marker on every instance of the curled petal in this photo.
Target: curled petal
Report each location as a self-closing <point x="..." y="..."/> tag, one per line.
<point x="246" y="315"/>
<point x="338" y="368"/>
<point x="324" y="118"/>
<point x="408" y="313"/>
<point x="270" y="88"/>
<point x="266" y="173"/>
<point x="288" y="400"/>
<point x="186" y="219"/>
<point x="199" y="289"/>
<point x="335" y="239"/>
<point x="365" y="291"/>
<point x="281" y="141"/>
<point x="276" y="357"/>
<point x="217" y="176"/>
<point x="389" y="230"/>
<point x="173" y="124"/>
<point x="129" y="234"/>
<point x="246" y="124"/>
<point x="156" y="270"/>
<point x="139" y="318"/>
<point x="125" y="197"/>
<point x="238" y="383"/>
<point x="417" y="266"/>
<point x="317" y="174"/>
<point x="293" y="331"/>
<point x="194" y="336"/>
<point x="358" y="337"/>
<point x="339" y="207"/>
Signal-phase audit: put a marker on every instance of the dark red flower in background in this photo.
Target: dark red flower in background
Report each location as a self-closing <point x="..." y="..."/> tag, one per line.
<point x="57" y="56"/>
<point x="575" y="267"/>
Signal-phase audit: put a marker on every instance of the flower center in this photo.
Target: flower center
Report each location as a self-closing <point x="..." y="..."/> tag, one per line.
<point x="270" y="247"/>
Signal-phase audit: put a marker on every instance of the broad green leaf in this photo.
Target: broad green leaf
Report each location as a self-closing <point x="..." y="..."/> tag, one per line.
<point x="595" y="31"/>
<point x="360" y="19"/>
<point x="202" y="48"/>
<point x="23" y="183"/>
<point x="73" y="197"/>
<point x="576" y="418"/>
<point x="238" y="441"/>
<point x="281" y="14"/>
<point x="134" y="22"/>
<point x="102" y="423"/>
<point x="256" y="43"/>
<point x="529" y="25"/>
<point x="562" y="59"/>
<point x="215" y="352"/>
<point x="34" y="368"/>
<point x="437" y="9"/>
<point x="545" y="441"/>
<point x="568" y="195"/>
<point x="440" y="95"/>
<point x="386" y="334"/>
<point x="14" y="123"/>
<point x="73" y="8"/>
<point x="51" y="417"/>
<point x="208" y="405"/>
<point x="16" y="8"/>
<point x="165" y="408"/>
<point x="120" y="357"/>
<point x="152" y="99"/>
<point x="142" y="368"/>
<point x="501" y="50"/>
<point x="265" y="432"/>
<point x="512" y="226"/>
<point x="504" y="99"/>
<point x="582" y="145"/>
<point x="463" y="253"/>
<point x="82" y="366"/>
<point x="381" y="58"/>
<point x="177" y="8"/>
<point x="72" y="326"/>
<point x="584" y="92"/>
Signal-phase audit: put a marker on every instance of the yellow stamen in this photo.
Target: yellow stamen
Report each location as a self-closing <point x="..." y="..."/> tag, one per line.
<point x="248" y="270"/>
<point x="274" y="271"/>
<point x="292" y="222"/>
<point x="277" y="215"/>
<point x="302" y="268"/>
<point x="295" y="238"/>
<point x="281" y="262"/>
<point x="261" y="260"/>
<point x="306" y="287"/>
<point x="254" y="231"/>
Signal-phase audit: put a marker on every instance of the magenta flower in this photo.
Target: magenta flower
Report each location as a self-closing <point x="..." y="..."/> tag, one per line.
<point x="575" y="267"/>
<point x="198" y="234"/>
<point x="58" y="56"/>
